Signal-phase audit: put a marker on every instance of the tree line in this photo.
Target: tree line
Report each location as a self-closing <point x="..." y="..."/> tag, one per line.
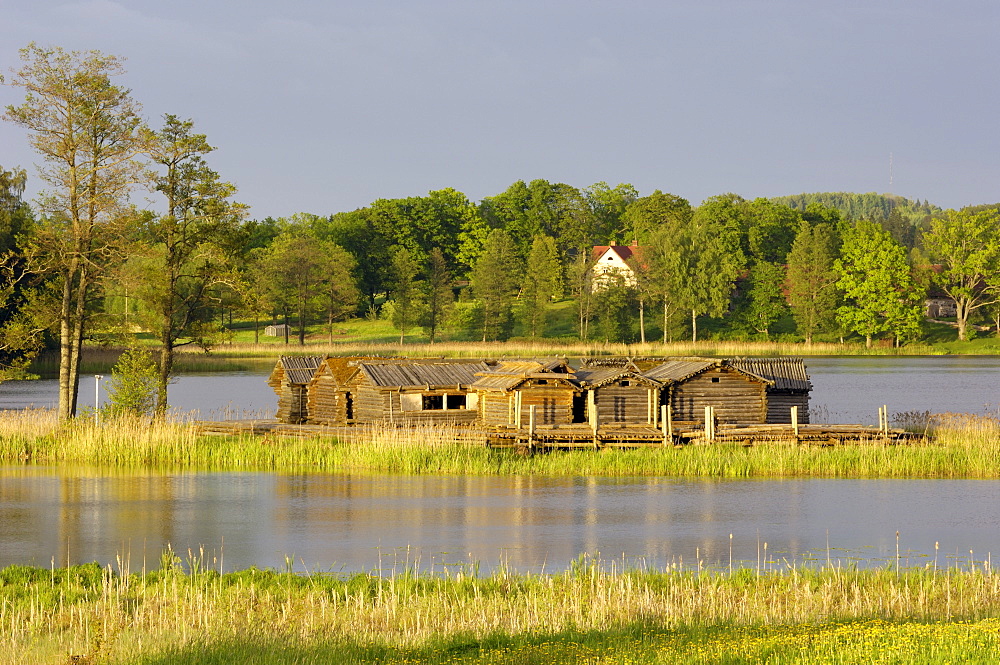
<point x="87" y="263"/>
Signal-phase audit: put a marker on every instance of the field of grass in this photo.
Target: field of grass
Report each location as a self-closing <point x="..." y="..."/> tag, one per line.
<point x="189" y="612"/>
<point x="963" y="447"/>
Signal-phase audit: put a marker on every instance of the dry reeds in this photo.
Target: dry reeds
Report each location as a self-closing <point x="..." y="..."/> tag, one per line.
<point x="114" y="616"/>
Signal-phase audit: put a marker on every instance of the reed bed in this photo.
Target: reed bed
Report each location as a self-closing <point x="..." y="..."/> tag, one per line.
<point x="963" y="446"/>
<point x="591" y="613"/>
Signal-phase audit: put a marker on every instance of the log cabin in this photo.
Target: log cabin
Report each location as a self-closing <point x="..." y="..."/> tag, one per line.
<point x="789" y="386"/>
<point x="290" y="380"/>
<point x="620" y="396"/>
<point x="508" y="391"/>
<point x="738" y="395"/>
<point x="415" y="391"/>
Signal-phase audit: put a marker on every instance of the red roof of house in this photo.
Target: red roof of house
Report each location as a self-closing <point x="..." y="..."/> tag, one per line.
<point x="625" y="252"/>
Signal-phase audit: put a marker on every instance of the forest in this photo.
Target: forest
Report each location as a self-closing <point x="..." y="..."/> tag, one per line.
<point x="85" y="263"/>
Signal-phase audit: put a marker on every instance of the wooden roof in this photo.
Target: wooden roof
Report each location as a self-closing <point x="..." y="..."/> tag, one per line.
<point x="295" y="370"/>
<point x="784" y="373"/>
<point x="422" y="374"/>
<point x="602" y="376"/>
<point x="680" y="370"/>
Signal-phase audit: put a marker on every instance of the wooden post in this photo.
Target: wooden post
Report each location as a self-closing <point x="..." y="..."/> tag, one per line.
<point x="517" y="408"/>
<point x="709" y="429"/>
<point x="663" y="423"/>
<point x="592" y="411"/>
<point x="531" y="426"/>
<point x="444" y="401"/>
<point x="795" y="422"/>
<point x="885" y="420"/>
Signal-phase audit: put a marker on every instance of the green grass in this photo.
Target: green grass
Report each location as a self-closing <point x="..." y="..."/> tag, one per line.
<point x="963" y="447"/>
<point x="187" y="612"/>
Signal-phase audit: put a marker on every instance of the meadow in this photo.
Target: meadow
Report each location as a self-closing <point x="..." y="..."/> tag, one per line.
<point x="188" y="612"/>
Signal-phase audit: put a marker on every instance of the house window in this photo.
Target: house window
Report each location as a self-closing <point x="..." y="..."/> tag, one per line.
<point x="715" y="379"/>
<point x="626" y="383"/>
<point x="433" y="402"/>
<point x="456" y="401"/>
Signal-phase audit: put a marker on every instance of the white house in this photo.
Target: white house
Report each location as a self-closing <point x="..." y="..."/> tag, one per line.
<point x="612" y="261"/>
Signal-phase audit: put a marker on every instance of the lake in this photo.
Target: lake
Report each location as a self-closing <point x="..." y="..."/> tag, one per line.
<point x="352" y="522"/>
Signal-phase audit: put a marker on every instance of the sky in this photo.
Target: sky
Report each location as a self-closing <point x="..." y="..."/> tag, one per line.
<point x="323" y="106"/>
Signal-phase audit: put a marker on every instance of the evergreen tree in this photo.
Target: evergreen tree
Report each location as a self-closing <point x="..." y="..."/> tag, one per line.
<point x="438" y="294"/>
<point x="542" y="282"/>
<point x="812" y="292"/>
<point x="494" y="282"/>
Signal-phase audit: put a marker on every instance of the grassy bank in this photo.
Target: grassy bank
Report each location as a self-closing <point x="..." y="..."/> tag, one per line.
<point x="589" y="614"/>
<point x="962" y="447"/>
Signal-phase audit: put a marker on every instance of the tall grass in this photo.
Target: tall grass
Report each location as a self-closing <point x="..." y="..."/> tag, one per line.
<point x="590" y="613"/>
<point x="962" y="447"/>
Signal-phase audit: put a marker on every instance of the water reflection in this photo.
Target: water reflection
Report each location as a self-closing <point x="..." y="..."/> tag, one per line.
<point x="363" y="522"/>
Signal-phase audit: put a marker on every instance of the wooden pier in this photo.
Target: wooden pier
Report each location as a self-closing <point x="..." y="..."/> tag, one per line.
<point x="582" y="436"/>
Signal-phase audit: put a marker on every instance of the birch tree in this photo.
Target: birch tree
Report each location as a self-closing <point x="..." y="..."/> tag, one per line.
<point x="87" y="131"/>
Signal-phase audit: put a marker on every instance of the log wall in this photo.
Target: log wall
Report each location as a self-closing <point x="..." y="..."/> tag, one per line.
<point x="779" y="407"/>
<point x="736" y="397"/>
<point x="624" y="404"/>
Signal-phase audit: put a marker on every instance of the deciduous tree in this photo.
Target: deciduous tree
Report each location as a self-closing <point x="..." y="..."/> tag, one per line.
<point x="87" y="130"/>
<point x="965" y="248"/>
<point x="880" y="294"/>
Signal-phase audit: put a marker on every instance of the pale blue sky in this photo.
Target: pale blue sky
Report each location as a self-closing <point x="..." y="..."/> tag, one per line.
<point x="325" y="106"/>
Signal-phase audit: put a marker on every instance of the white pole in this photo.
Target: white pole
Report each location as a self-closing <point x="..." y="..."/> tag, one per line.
<point x="97" y="398"/>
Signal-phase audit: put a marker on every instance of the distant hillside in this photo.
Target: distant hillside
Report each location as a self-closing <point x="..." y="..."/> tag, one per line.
<point x="869" y="206"/>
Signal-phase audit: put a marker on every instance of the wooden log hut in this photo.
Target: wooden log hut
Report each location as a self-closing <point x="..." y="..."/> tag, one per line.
<point x="412" y="392"/>
<point x="620" y="395"/>
<point x="330" y="401"/>
<point x="507" y="393"/>
<point x="789" y="386"/>
<point x="737" y="395"/>
<point x="290" y="380"/>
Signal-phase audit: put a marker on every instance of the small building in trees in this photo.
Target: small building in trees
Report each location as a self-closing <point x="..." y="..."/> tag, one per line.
<point x="508" y="391"/>
<point x="612" y="262"/>
<point x="290" y="379"/>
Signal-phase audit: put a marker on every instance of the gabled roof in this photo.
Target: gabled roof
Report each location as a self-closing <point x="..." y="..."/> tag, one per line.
<point x="681" y="370"/>
<point x="295" y="370"/>
<point x="422" y="374"/>
<point x="624" y="252"/>
<point x="602" y="376"/>
<point x="784" y="373"/>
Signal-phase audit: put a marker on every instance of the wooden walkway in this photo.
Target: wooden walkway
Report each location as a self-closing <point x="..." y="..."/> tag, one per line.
<point x="582" y="436"/>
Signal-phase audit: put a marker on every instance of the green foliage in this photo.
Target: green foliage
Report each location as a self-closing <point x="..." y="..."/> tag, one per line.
<point x="965" y="247"/>
<point x="614" y="304"/>
<point x="494" y="281"/>
<point x="763" y="302"/>
<point x="133" y="386"/>
<point x="405" y="291"/>
<point x="880" y="294"/>
<point x="812" y="292"/>
<point x="541" y="284"/>
<point x="656" y="213"/>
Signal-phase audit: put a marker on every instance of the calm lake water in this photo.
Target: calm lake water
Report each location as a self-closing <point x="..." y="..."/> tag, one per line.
<point x="336" y="522"/>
